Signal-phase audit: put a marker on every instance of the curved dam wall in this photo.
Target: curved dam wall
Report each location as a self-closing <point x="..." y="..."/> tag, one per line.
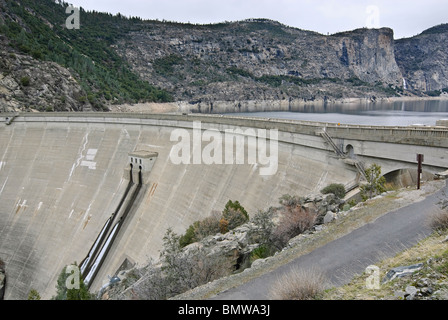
<point x="61" y="177"/>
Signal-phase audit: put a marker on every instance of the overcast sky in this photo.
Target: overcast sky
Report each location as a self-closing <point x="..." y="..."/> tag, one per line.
<point x="406" y="17"/>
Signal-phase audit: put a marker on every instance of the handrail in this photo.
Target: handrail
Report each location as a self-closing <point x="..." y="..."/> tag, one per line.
<point x="398" y="134"/>
<point x="216" y="116"/>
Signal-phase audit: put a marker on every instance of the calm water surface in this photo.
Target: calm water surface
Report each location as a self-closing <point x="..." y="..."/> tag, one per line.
<point x="379" y="114"/>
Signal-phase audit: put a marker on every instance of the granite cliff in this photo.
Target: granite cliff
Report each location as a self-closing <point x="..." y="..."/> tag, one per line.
<point x="423" y="60"/>
<point x="262" y="60"/>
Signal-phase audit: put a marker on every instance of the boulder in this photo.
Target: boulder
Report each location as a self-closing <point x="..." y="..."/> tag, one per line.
<point x="402" y="271"/>
<point x="411" y="292"/>
<point x="329" y="217"/>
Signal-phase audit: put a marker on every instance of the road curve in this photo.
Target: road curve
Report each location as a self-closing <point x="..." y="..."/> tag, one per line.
<point x="349" y="255"/>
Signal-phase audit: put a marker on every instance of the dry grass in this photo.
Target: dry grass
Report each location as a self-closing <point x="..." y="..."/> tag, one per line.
<point x="427" y="249"/>
<point x="299" y="284"/>
<point x="439" y="221"/>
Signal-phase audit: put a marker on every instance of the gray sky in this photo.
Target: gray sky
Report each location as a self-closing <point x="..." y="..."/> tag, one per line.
<point x="406" y="17"/>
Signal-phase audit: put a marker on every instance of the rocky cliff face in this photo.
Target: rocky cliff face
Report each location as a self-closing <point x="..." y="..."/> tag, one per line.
<point x="262" y="60"/>
<point x="423" y="59"/>
<point x="369" y="55"/>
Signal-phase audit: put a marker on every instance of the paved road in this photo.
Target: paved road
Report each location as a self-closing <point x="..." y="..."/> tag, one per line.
<point x="351" y="254"/>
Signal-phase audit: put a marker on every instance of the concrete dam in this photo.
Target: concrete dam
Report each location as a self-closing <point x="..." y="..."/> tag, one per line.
<point x="67" y="177"/>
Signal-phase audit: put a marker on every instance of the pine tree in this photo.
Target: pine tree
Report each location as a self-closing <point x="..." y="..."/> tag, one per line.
<point x="375" y="182"/>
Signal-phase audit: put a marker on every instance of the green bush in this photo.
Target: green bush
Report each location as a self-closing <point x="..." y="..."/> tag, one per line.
<point x="232" y="216"/>
<point x="63" y="293"/>
<point x="337" y="189"/>
<point x="261" y="252"/>
<point x="375" y="182"/>
<point x="34" y="295"/>
<point x="189" y="236"/>
<point x="235" y="214"/>
<point x="25" y="81"/>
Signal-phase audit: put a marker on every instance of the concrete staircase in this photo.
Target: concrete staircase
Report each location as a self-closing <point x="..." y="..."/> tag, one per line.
<point x="358" y="164"/>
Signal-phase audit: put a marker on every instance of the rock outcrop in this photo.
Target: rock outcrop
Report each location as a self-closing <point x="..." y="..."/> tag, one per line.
<point x="423" y="59"/>
<point x="30" y="84"/>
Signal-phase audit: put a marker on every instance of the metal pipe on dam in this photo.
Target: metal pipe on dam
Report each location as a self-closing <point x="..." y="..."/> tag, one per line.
<point x="62" y="176"/>
<point x="90" y="266"/>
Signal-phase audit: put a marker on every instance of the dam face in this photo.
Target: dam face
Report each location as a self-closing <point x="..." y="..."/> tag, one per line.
<point x="61" y="180"/>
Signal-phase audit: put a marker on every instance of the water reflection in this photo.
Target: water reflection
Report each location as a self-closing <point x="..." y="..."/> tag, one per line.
<point x="402" y="113"/>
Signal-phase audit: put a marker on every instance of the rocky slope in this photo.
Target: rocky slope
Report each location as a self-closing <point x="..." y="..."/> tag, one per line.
<point x="30" y="84"/>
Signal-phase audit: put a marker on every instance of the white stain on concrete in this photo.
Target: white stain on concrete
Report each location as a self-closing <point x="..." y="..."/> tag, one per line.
<point x="84" y="159"/>
<point x="3" y="187"/>
<point x="80" y="155"/>
<point x="91" y="153"/>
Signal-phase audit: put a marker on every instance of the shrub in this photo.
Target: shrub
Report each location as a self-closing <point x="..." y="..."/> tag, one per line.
<point x="232" y="216"/>
<point x="34" y="295"/>
<point x="337" y="189"/>
<point x="25" y="81"/>
<point x="290" y="201"/>
<point x="206" y="227"/>
<point x="235" y="214"/>
<point x="63" y="293"/>
<point x="200" y="229"/>
<point x="260" y="253"/>
<point x="223" y="226"/>
<point x="165" y="65"/>
<point x="375" y="182"/>
<point x="293" y="221"/>
<point x="185" y="270"/>
<point x="299" y="284"/>
<point x="188" y="237"/>
<point x="439" y="221"/>
<point x="263" y="219"/>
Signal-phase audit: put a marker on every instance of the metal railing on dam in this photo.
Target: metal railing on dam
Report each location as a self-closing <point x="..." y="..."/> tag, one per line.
<point x="435" y="136"/>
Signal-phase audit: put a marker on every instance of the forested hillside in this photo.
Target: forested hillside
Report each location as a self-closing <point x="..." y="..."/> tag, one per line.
<point x="37" y="28"/>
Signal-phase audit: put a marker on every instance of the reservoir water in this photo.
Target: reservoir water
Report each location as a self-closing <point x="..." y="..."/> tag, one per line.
<point x="403" y="113"/>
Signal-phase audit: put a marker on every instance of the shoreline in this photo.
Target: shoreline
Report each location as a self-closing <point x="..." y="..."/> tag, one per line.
<point x="217" y="107"/>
